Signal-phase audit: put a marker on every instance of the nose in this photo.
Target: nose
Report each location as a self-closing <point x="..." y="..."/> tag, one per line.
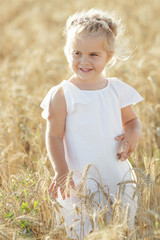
<point x="84" y="60"/>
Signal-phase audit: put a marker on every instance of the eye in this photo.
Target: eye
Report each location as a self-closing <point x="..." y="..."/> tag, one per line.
<point x="94" y="54"/>
<point x="77" y="53"/>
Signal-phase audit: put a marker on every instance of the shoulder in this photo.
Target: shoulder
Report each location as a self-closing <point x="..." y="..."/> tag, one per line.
<point x="58" y="93"/>
<point x="117" y="82"/>
<point x="57" y="113"/>
<point x="126" y="94"/>
<point x="58" y="104"/>
<point x="115" y="85"/>
<point x="118" y="86"/>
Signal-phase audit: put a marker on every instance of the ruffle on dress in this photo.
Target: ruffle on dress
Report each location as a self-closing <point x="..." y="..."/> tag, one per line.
<point x="73" y="95"/>
<point x="126" y="94"/>
<point x="46" y="102"/>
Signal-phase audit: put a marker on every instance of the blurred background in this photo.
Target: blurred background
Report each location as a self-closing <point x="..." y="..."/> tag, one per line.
<point x="32" y="61"/>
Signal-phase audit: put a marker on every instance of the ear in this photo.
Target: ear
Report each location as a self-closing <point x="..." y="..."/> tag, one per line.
<point x="109" y="56"/>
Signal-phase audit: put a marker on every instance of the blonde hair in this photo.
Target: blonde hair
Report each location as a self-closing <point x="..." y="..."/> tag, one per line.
<point x="99" y="23"/>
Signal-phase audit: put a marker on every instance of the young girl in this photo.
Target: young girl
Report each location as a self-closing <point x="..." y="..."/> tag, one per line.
<point x="91" y="122"/>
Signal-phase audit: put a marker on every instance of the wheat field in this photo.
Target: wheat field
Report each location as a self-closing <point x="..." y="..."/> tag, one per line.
<point x="31" y="62"/>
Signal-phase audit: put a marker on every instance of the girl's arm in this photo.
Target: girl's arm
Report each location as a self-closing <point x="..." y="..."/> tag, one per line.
<point x="132" y="132"/>
<point x="54" y="141"/>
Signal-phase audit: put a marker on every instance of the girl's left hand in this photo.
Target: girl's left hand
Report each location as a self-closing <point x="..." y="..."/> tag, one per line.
<point x="128" y="143"/>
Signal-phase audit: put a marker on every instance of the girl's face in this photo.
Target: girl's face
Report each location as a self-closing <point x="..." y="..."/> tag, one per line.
<point x="89" y="58"/>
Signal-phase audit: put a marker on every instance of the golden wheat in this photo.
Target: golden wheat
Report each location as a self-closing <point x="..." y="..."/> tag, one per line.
<point x="31" y="61"/>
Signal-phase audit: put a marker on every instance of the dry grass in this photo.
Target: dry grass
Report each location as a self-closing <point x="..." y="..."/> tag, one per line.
<point x="31" y="61"/>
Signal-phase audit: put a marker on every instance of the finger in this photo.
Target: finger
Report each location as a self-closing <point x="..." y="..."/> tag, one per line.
<point x="124" y="146"/>
<point x="129" y="153"/>
<point x="72" y="186"/>
<point x="119" y="155"/>
<point x="128" y="150"/>
<point x="127" y="156"/>
<point x="124" y="156"/>
<point x="125" y="151"/>
<point x="68" y="194"/>
<point x="120" y="137"/>
<point x="55" y="193"/>
<point x="54" y="189"/>
<point x="62" y="190"/>
<point x="51" y="187"/>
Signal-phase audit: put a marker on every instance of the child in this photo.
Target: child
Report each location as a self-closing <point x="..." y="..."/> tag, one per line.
<point x="90" y="120"/>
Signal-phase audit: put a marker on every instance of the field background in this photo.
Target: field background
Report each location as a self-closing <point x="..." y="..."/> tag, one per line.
<point x="32" y="61"/>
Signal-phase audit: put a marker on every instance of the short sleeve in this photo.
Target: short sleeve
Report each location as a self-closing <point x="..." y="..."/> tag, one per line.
<point x="127" y="95"/>
<point x="74" y="96"/>
<point x="46" y="103"/>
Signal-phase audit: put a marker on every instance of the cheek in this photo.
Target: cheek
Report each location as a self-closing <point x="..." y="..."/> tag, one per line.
<point x="73" y="64"/>
<point x="74" y="61"/>
<point x="100" y="63"/>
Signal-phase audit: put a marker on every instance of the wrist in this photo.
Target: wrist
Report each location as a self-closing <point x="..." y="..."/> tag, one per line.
<point x="60" y="172"/>
<point x="134" y="126"/>
<point x="135" y="133"/>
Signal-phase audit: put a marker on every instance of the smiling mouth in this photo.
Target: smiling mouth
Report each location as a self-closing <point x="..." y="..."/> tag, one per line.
<point x="85" y="70"/>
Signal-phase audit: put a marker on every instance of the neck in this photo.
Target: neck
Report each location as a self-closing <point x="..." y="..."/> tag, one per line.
<point x="89" y="82"/>
<point x="89" y="85"/>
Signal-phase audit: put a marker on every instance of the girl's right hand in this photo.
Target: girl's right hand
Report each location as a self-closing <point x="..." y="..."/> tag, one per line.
<point x="59" y="182"/>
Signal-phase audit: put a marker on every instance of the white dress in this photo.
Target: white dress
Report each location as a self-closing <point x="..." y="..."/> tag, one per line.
<point x="93" y="121"/>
